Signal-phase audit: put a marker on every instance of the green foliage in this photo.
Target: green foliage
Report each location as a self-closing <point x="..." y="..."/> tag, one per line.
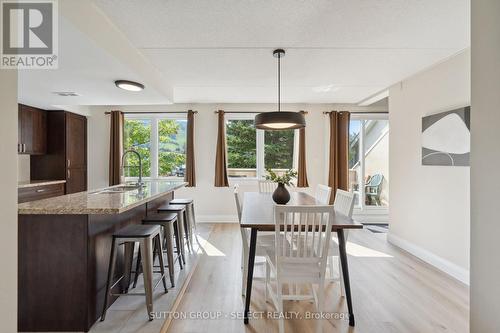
<point x="137" y="136"/>
<point x="285" y="179"/>
<point x="241" y="144"/>
<point x="171" y="146"/>
<point x="278" y="147"/>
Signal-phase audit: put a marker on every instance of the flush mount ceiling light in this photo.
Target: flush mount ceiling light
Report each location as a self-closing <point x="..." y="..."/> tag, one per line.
<point x="279" y="120"/>
<point x="129" y="85"/>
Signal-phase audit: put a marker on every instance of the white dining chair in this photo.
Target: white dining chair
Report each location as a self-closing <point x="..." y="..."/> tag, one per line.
<point x="264" y="240"/>
<point x="303" y="235"/>
<point x="343" y="204"/>
<point x="267" y="186"/>
<point x="323" y="194"/>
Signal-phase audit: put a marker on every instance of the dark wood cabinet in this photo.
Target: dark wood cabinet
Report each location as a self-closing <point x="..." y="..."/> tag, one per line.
<point x="66" y="156"/>
<point x="76" y="153"/>
<point x="39" y="192"/>
<point x="32" y="130"/>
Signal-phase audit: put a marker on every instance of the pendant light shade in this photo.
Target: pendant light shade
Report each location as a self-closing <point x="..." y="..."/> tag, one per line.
<point x="279" y="120"/>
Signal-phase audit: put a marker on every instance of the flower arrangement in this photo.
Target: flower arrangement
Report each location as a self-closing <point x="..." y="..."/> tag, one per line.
<point x="285" y="179"/>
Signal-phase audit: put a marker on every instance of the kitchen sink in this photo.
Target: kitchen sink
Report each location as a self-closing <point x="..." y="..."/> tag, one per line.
<point x="119" y="189"/>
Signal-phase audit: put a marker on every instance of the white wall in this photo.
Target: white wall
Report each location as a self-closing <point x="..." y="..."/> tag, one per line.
<point x="212" y="203"/>
<point x="8" y="200"/>
<point x="429" y="210"/>
<point x="23" y="167"/>
<point x="485" y="120"/>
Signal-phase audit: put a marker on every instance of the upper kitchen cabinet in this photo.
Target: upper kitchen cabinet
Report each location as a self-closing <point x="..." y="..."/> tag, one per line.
<point x="32" y="130"/>
<point x="66" y="157"/>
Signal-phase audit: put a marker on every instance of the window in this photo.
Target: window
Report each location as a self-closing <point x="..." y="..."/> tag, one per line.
<point x="369" y="162"/>
<point x="161" y="142"/>
<point x="251" y="151"/>
<point x="278" y="148"/>
<point x="137" y="136"/>
<point x="171" y="147"/>
<point x="241" y="138"/>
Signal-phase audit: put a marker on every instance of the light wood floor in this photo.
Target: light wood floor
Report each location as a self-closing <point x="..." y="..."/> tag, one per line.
<point x="392" y="292"/>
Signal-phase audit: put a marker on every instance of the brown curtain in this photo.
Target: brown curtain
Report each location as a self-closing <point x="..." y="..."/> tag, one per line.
<point x="338" y="174"/>
<point x="220" y="157"/>
<point x="302" y="169"/>
<point x="190" y="176"/>
<point x="115" y="147"/>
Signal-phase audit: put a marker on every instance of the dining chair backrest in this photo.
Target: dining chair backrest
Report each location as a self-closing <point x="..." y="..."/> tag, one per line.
<point x="237" y="200"/>
<point x="302" y="241"/>
<point x="344" y="202"/>
<point x="267" y="186"/>
<point x="323" y="194"/>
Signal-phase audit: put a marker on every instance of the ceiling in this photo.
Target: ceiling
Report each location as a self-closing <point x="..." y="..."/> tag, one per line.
<point x="337" y="51"/>
<point x="86" y="69"/>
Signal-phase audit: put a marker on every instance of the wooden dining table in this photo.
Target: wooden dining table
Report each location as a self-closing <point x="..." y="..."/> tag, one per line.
<point x="258" y="215"/>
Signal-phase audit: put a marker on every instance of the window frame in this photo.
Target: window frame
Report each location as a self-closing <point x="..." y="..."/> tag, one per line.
<point x="154" y="150"/>
<point x="362" y="208"/>
<point x="259" y="147"/>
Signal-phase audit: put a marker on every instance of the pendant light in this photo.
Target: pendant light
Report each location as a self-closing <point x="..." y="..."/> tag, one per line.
<point x="279" y="120"/>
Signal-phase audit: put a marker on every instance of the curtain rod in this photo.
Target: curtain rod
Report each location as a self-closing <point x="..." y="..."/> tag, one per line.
<point x="359" y="112"/>
<point x="152" y="112"/>
<point x="305" y="112"/>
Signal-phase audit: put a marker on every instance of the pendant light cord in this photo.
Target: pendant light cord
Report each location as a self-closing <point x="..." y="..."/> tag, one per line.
<point x="279" y="82"/>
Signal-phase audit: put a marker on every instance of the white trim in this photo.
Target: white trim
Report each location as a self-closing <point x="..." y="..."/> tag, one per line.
<point x="362" y="159"/>
<point x="442" y="264"/>
<point x="261" y="157"/>
<point x="154" y="146"/>
<point x="374" y="98"/>
<point x="217" y="219"/>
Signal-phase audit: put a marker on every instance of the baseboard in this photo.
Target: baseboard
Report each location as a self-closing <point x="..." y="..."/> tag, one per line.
<point x="217" y="219"/>
<point x="442" y="264"/>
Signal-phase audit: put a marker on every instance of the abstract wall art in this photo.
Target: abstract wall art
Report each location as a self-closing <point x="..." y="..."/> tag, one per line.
<point x="446" y="138"/>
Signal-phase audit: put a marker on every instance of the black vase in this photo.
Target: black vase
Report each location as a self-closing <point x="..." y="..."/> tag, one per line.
<point x="281" y="195"/>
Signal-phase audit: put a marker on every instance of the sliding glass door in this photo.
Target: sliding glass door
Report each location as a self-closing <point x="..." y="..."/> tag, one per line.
<point x="369" y="163"/>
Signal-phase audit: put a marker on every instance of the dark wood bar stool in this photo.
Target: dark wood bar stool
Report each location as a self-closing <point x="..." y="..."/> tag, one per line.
<point x="166" y="221"/>
<point x="148" y="237"/>
<point x="180" y="210"/>
<point x="191" y="220"/>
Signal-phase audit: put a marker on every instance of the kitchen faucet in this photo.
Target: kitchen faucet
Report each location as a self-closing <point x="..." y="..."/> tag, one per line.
<point x="140" y="183"/>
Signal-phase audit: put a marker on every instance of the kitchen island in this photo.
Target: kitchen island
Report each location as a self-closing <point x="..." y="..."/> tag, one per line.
<point x="63" y="252"/>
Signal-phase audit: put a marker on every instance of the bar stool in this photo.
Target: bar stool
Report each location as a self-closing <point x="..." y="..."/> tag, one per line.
<point x="180" y="210"/>
<point x="189" y="203"/>
<point x="166" y="221"/>
<point x="147" y="236"/>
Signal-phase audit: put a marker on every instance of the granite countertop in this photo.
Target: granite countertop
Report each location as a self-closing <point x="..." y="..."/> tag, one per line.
<point x="34" y="183"/>
<point x="99" y="202"/>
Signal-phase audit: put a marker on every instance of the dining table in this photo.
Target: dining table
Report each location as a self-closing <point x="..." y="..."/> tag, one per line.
<point x="258" y="215"/>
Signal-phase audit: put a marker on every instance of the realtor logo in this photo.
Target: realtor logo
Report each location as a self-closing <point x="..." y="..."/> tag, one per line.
<point x="29" y="34"/>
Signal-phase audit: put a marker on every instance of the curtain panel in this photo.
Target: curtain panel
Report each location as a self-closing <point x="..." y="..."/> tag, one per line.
<point x="302" y="165"/>
<point x="221" y="179"/>
<point x="115" y="147"/>
<point x="338" y="166"/>
<point x="190" y="174"/>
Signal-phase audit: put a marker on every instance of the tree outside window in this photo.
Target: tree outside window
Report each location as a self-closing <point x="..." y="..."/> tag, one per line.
<point x="278" y="148"/>
<point x="169" y="153"/>
<point x="171" y="147"/>
<point x="241" y="148"/>
<point x="137" y="136"/>
<point x="244" y="147"/>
